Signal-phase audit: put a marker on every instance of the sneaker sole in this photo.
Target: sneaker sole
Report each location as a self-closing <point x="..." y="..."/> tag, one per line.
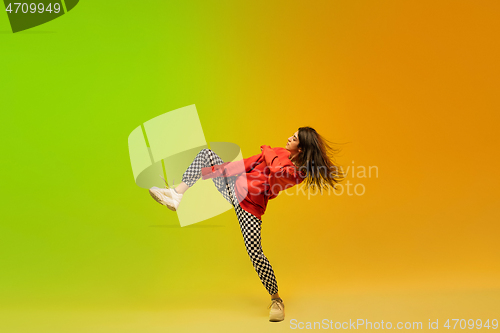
<point x="160" y="201"/>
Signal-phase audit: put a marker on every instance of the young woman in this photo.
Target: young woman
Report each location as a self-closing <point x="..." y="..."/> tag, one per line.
<point x="249" y="185"/>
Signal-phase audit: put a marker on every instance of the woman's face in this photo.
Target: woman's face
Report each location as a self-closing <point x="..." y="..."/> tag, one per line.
<point x="293" y="142"/>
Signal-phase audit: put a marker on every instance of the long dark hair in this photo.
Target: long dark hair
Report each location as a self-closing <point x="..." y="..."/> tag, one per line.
<point x="317" y="160"/>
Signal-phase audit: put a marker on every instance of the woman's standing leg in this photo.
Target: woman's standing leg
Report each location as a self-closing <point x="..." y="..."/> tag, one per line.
<point x="250" y="227"/>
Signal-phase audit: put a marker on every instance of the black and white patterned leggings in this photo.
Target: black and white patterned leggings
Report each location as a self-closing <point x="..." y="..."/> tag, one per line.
<point x="250" y="225"/>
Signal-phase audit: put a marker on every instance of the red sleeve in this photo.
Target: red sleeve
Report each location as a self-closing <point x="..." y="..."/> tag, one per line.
<point x="230" y="169"/>
<point x="214" y="171"/>
<point x="241" y="166"/>
<point x="272" y="160"/>
<point x="281" y="176"/>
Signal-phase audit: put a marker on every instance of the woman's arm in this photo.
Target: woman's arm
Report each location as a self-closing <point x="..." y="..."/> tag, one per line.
<point x="230" y="169"/>
<point x="281" y="176"/>
<point x="272" y="160"/>
<point x="244" y="165"/>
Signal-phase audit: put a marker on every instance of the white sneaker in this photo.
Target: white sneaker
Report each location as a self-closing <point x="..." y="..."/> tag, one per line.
<point x="166" y="196"/>
<point x="277" y="312"/>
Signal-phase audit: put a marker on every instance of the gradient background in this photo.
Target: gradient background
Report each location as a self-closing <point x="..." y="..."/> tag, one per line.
<point x="409" y="87"/>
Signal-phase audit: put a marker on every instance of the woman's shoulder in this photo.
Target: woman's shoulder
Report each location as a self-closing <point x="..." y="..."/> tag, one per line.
<point x="283" y="155"/>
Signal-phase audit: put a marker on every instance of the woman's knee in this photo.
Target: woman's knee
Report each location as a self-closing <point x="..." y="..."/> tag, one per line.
<point x="206" y="154"/>
<point x="205" y="151"/>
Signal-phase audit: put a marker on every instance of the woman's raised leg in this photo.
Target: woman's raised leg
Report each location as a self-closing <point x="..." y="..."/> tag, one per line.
<point x="207" y="158"/>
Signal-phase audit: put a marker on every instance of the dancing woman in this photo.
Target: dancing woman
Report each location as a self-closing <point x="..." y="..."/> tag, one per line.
<point x="249" y="184"/>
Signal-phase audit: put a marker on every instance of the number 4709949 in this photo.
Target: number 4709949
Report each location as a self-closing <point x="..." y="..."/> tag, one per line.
<point x="19" y="7"/>
<point x="471" y="323"/>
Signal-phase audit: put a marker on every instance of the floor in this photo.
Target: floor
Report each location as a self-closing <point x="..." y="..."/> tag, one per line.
<point x="249" y="314"/>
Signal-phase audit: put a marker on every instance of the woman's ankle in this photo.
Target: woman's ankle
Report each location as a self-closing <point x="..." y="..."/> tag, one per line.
<point x="181" y="188"/>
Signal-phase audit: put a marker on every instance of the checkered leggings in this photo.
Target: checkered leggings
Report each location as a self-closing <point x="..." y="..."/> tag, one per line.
<point x="250" y="225"/>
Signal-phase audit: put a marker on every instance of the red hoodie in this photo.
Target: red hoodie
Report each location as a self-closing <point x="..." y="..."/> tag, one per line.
<point x="261" y="177"/>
